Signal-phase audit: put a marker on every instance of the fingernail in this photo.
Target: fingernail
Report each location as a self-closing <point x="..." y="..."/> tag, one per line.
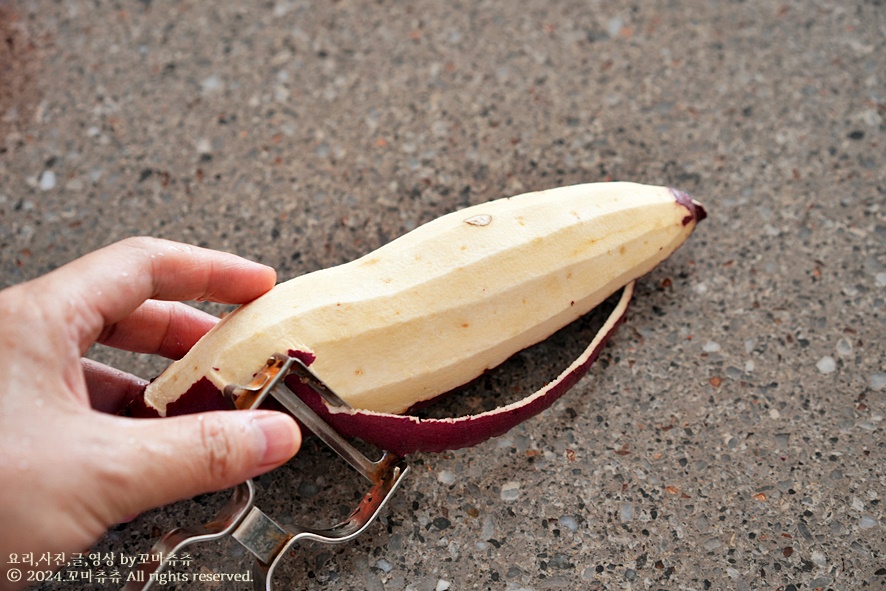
<point x="282" y="437"/>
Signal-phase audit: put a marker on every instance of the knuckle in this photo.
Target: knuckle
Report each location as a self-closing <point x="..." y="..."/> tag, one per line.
<point x="220" y="450"/>
<point x="20" y="311"/>
<point x="138" y="242"/>
<point x="107" y="334"/>
<point x="171" y="342"/>
<point x="9" y="303"/>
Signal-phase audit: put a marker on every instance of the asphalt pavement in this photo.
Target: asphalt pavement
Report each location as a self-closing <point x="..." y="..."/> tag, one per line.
<point x="730" y="437"/>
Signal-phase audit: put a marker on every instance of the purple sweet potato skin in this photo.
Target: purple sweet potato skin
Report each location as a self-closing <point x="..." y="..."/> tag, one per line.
<point x="697" y="211"/>
<point x="304" y="356"/>
<point x="139" y="409"/>
<point x="203" y="396"/>
<point x="404" y="434"/>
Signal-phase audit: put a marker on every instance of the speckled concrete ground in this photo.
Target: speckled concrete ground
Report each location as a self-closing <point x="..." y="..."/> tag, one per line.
<point x="732" y="436"/>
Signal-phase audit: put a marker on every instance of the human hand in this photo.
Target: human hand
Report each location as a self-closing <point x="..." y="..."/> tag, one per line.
<point x="69" y="471"/>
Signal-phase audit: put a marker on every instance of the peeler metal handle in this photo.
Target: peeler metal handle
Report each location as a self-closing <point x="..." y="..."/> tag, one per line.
<point x="240" y="519"/>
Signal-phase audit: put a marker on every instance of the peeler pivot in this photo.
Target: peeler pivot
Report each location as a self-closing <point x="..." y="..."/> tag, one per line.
<point x="266" y="539"/>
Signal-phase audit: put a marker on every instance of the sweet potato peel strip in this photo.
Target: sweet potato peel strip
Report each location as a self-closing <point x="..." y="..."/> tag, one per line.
<point x="406" y="434"/>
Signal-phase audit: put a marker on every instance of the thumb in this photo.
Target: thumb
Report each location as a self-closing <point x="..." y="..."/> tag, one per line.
<point x="166" y="460"/>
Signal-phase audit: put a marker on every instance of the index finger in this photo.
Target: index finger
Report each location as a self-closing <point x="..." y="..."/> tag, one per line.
<point x="105" y="286"/>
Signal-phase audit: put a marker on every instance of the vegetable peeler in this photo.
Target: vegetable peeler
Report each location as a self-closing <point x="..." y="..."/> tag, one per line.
<point x="240" y="519"/>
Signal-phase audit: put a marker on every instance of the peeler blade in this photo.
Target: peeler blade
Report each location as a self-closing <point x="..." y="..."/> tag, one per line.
<point x="240" y="519"/>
